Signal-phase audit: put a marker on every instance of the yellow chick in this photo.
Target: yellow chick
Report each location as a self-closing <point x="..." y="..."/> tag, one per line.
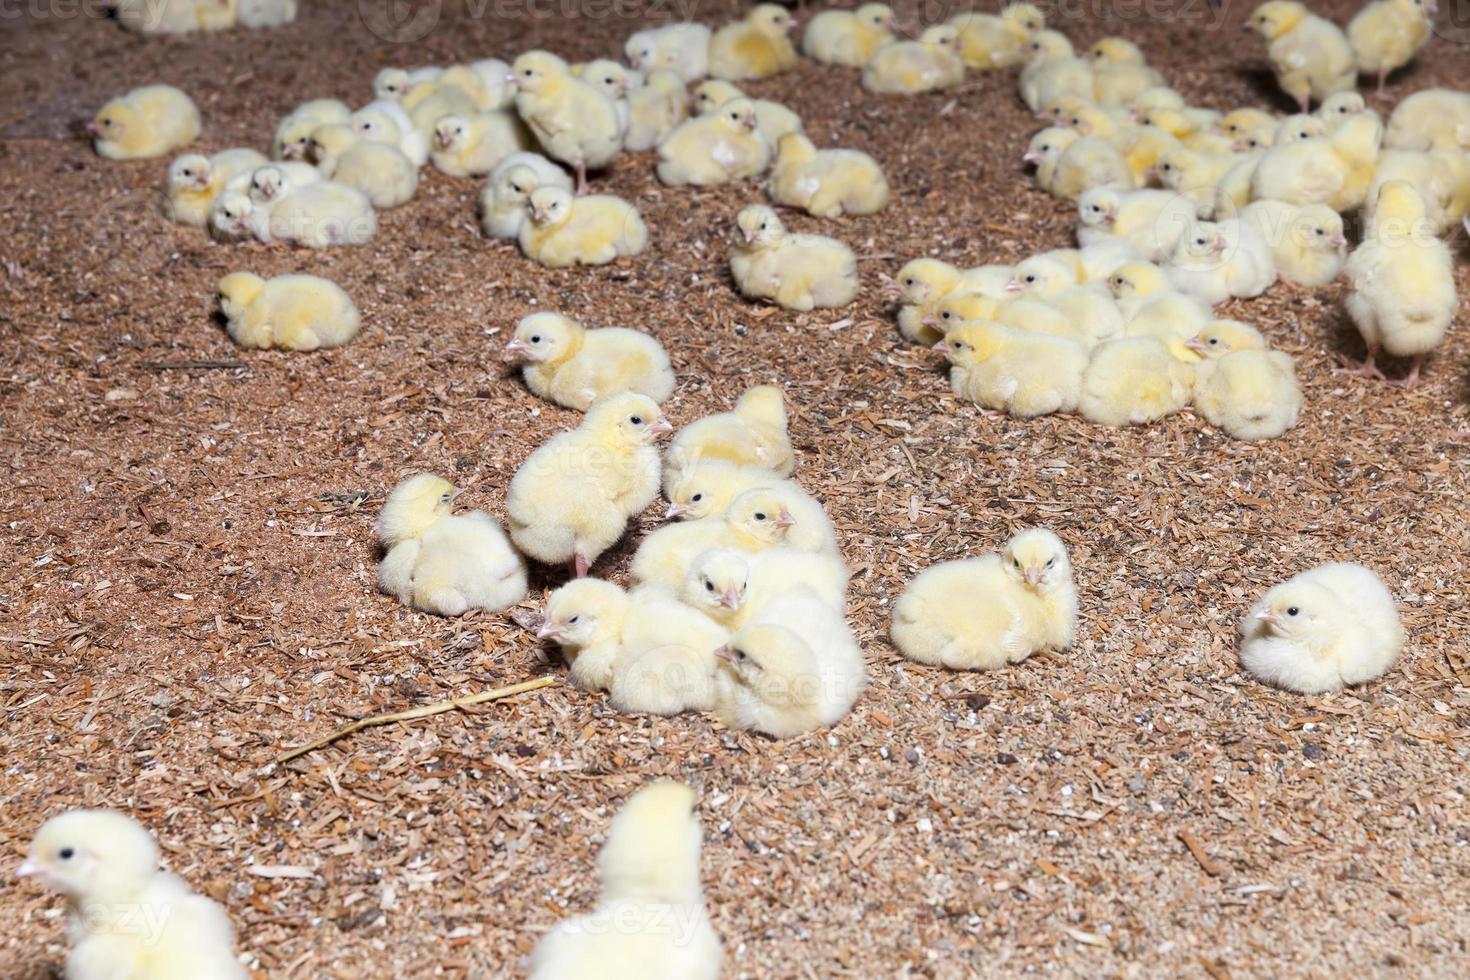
<point x="922" y="284"/>
<point x="1152" y="221"/>
<point x="753" y="433"/>
<point x="1310" y="55"/>
<point x="772" y="119"/>
<point x="446" y="100"/>
<point x="1309" y="245"/>
<point x="572" y="366"/>
<point x="1402" y="281"/>
<point x="145" y="123"/>
<point x="127" y="918"/>
<point x="848" y="37"/>
<point x="386" y="121"/>
<point x="1069" y="167"/>
<point x="1387" y="34"/>
<point x="572" y="498"/>
<point x="1335" y="170"/>
<point x="406" y="86"/>
<point x="667" y="662"/>
<point x="1119" y="72"/>
<point x="1338" y="108"/>
<point x="1134" y="381"/>
<point x="650" y="921"/>
<point x="1217" y="260"/>
<point x="291" y="312"/>
<point x="793" y="668"/>
<point x="505" y="199"/>
<point x="707" y="487"/>
<point x="756" y="47"/>
<point x="1238" y="122"/>
<point x="1442" y="178"/>
<point x="798" y="272"/>
<point x="1233" y="190"/>
<point x="991" y="41"/>
<point x="1240" y="386"/>
<point x="473" y="145"/>
<point x="194" y="181"/>
<point x="655" y="110"/>
<point x="1092" y="315"/>
<point x="574" y="122"/>
<point x="323" y="214"/>
<point x="731" y="586"/>
<point x="1434" y="119"/>
<point x="613" y="81"/>
<point x="441" y="562"/>
<point x="1053" y="72"/>
<point x="983" y="613"/>
<point x="826" y="183"/>
<point x="1322" y="630"/>
<point x="964" y="306"/>
<point x="215" y="15"/>
<point x="1014" y="371"/>
<point x="585" y="618"/>
<point x="712" y="149"/>
<point x="1101" y="259"/>
<point x="1193" y="175"/>
<point x="756" y="520"/>
<point x="910" y="67"/>
<point x="378" y="170"/>
<point x="292" y="137"/>
<point x="1142" y="147"/>
<point x="681" y="48"/>
<point x="564" y="230"/>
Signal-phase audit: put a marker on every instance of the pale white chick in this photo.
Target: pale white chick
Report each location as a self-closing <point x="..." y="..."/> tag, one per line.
<point x="323" y="214"/>
<point x="1432" y="119"/>
<point x="471" y="146"/>
<point x="910" y="67"/>
<point x="798" y="272"/>
<point x="1322" y="630"/>
<point x="379" y="170"/>
<point x="574" y="122"/>
<point x="655" y="110"/>
<point x="772" y="119"/>
<point x="987" y="612"/>
<point x="1240" y="386"/>
<point x="753" y="433"/>
<point x="572" y="366"/>
<point x="563" y="230"/>
<point x="504" y="199"/>
<point x="650" y="922"/>
<point x="848" y="37"/>
<point x="681" y="48"/>
<point x="730" y="586"/>
<point x="585" y="619"/>
<point x="386" y="122"/>
<point x="441" y="562"/>
<point x="667" y="662"/>
<point x="128" y="920"/>
<point x="706" y="488"/>
<point x="1309" y="244"/>
<point x="293" y="134"/>
<point x="1215" y="261"/>
<point x="1053" y="72"/>
<point x="1093" y="315"/>
<point x="1152" y="221"/>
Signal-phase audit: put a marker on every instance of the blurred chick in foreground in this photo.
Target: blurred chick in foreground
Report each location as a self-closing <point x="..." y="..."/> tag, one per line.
<point x="1387" y="34"/>
<point x="650" y="922"/>
<point x="721" y="146"/>
<point x="1015" y="371"/>
<point x="798" y="272"/>
<point x="442" y="562"/>
<point x="825" y="183"/>
<point x="848" y="37"/>
<point x="127" y="919"/>
<point x="753" y="433"/>
<point x="998" y="41"/>
<point x="292" y="312"/>
<point x="505" y="199"/>
<point x="1240" y="386"/>
<point x="1402" y="281"/>
<point x="594" y="230"/>
<point x="1323" y="630"/>
<point x="910" y="67"/>
<point x="194" y="181"/>
<point x="145" y="123"/>
<point x="572" y="498"/>
<point x="572" y="366"/>
<point x="681" y="48"/>
<point x="1310" y="55"/>
<point x="755" y="47"/>
<point x="983" y="613"/>
<point x="574" y="122"/>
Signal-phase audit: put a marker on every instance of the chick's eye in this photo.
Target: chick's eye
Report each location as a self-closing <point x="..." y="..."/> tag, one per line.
<point x="67" y="853"/>
<point x="760" y="517"/>
<point x="636" y="420"/>
<point x="1031" y="278"/>
<point x="1293" y="611"/>
<point x="739" y="654"/>
<point x="944" y="315"/>
<point x="1214" y="341"/>
<point x="696" y="498"/>
<point x="528" y="73"/>
<point x="1050" y="562"/>
<point x="573" y="620"/>
<point x="763" y="226"/>
<point x="908" y="282"/>
<point x="709" y="586"/>
<point x="536" y="339"/>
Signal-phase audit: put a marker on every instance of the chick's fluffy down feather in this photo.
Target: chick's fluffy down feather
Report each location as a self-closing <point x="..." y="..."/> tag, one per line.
<point x="1134" y="381"/>
<point x="1250" y="394"/>
<point x="667" y="661"/>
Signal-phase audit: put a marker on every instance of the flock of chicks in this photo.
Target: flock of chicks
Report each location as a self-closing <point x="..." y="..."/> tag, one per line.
<point x="738" y="606"/>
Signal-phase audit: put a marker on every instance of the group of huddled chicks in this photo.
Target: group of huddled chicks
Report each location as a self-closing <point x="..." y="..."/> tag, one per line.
<point x="737" y="607"/>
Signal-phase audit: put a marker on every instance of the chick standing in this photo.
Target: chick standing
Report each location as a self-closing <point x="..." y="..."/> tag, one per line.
<point x="825" y="183"/>
<point x="128" y="919"/>
<point x="1387" y="34"/>
<point x="755" y="47"/>
<point x="568" y="364"/>
<point x="799" y="272"/>
<point x="594" y="230"/>
<point x="574" y="122"/>
<point x="572" y="498"/>
<point x="146" y="122"/>
<point x="293" y="312"/>
<point x="1322" y="630"/>
<point x="1310" y="55"/>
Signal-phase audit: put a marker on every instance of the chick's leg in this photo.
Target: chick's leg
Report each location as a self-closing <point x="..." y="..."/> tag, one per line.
<point x="1369" y="367"/>
<point x="1382" y="79"/>
<point x="1305" y="101"/>
<point x="580" y="565"/>
<point x="1412" y="379"/>
<point x="581" y="168"/>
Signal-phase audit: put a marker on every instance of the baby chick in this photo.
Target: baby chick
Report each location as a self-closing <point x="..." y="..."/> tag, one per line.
<point x="991" y="41"/>
<point x="1387" y="34"/>
<point x="145" y="123"/>
<point x="1242" y="388"/>
<point x="681" y="48"/>
<point x="1310" y="55"/>
<point x="650" y="921"/>
<point x="1015" y="371"/>
<point x="1442" y="178"/>
<point x="1308" y="244"/>
<point x="194" y="181"/>
<point x="793" y="668"/>
<point x="848" y="37"/>
<point x="1193" y="175"/>
<point x="574" y="122"/>
<point x="1053" y="72"/>
<point x="1215" y="261"/>
<point x="471" y="146"/>
<point x="1402" y="283"/>
<point x="655" y="110"/>
<point x="1322" y="630"/>
<point x="921" y="285"/>
<point x="585" y="619"/>
<point x="910" y="67"/>
<point x="1092" y="315"/>
<point x="564" y="230"/>
<point x="572" y="366"/>
<point x="323" y="214"/>
<point x="772" y="119"/>
<point x="386" y="121"/>
<point x="755" y="47"/>
<point x="571" y="500"/>
<point x="825" y="183"/>
<point x="983" y="613"/>
<point x="1068" y="166"/>
<point x="1335" y="170"/>
<point x="753" y="433"/>
<point x="293" y="134"/>
<point x="756" y="520"/>
<point x="798" y="272"/>
<point x="1134" y="381"/>
<point x="1339" y="108"/>
<point x="1119" y="72"/>
<point x="1433" y="119"/>
<point x="667" y="663"/>
<point x="705" y="488"/>
<point x="1152" y="221"/>
<point x="442" y="562"/>
<point x="715" y="148"/>
<point x="128" y="919"/>
<point x="293" y="312"/>
<point x="731" y="586"/>
<point x="378" y="170"/>
<point x="613" y="81"/>
<point x="505" y="198"/>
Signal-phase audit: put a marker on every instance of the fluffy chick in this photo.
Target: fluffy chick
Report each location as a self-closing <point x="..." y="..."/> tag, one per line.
<point x="1152" y="221"/>
<point x="594" y="230"/>
<point x="1092" y="315"/>
<point x="1322" y="630"/>
<point x="1432" y="119"/>
<point x="441" y="562"/>
<point x="574" y="122"/>
<point x="650" y="921"/>
<point x="585" y="619"/>
<point x="922" y="285"/>
<point x="772" y="119"/>
<point x="323" y="214"/>
<point x="145" y="123"/>
<point x="798" y="272"/>
<point x="1215" y="261"/>
<point x="998" y="41"/>
<point x="194" y="181"/>
<point x="1335" y="170"/>
<point x="731" y="586"/>
<point x="983" y="613"/>
<point x="507" y="193"/>
<point x="1308" y="244"/>
<point x="1387" y="34"/>
<point x="572" y="366"/>
<point x="378" y="170"/>
<point x="1015" y="371"/>
<point x="681" y="48"/>
<point x="293" y="312"/>
<point x="753" y="433"/>
<point x="572" y="498"/>
<point x="292" y="137"/>
<point x="1053" y="72"/>
<point x="1134" y="381"/>
<point x="1310" y="55"/>
<point x="1442" y="178"/>
<point x="472" y="146"/>
<point x="825" y="183"/>
<point x="1242" y="388"/>
<point x="712" y="149"/>
<point x="755" y="47"/>
<point x="655" y="110"/>
<point x="707" y="487"/>
<point x="128" y="919"/>
<point x="1402" y="282"/>
<point x="756" y="520"/>
<point x="386" y="121"/>
<point x="667" y="662"/>
<point x="1069" y="167"/>
<point x="848" y="37"/>
<point x="910" y="67"/>
<point x="1119" y="72"/>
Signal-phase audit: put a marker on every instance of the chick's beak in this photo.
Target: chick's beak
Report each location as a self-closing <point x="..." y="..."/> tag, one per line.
<point x="675" y="510"/>
<point x="1014" y="286"/>
<point x="661" y="428"/>
<point x="749" y="235"/>
<point x="28" y="869"/>
<point x="1032" y="575"/>
<point x="1338" y="241"/>
<point x="942" y="345"/>
<point x="510" y="76"/>
<point x="1196" y="345"/>
<point x="725" y="654"/>
<point x="1031" y="157"/>
<point x="516" y="346"/>
<point x="731" y="599"/>
<point x="784" y="519"/>
<point x="1269" y="618"/>
<point x="549" y="631"/>
<point x="749" y="122"/>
